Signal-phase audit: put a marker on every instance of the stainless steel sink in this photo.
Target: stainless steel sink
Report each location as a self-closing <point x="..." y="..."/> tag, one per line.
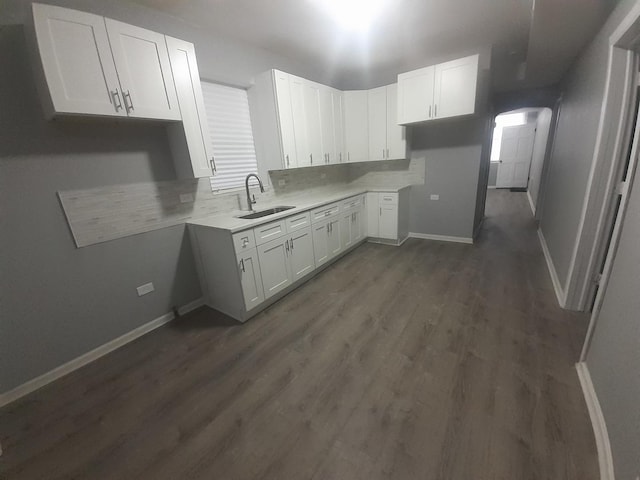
<point x="264" y="213"/>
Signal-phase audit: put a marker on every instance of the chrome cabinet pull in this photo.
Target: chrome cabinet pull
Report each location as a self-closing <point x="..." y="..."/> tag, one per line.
<point x="383" y="153"/>
<point x="212" y="163"/>
<point x="129" y="105"/>
<point x="340" y="157"/>
<point x="348" y="156"/>
<point x="286" y="246"/>
<point x="242" y="264"/>
<point x="380" y="211"/>
<point x="291" y="244"/>
<point x="387" y="153"/>
<point x="311" y="157"/>
<point x="429" y="111"/>
<point x="287" y="156"/>
<point x="435" y="110"/>
<point x="115" y="94"/>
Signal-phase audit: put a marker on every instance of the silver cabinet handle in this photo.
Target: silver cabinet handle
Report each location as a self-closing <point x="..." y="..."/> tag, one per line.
<point x="435" y="110"/>
<point x="212" y="162"/>
<point x="387" y="153"/>
<point x="115" y="94"/>
<point x="383" y="153"/>
<point x="429" y="111"/>
<point x="380" y="211"/>
<point x="311" y="157"/>
<point x="291" y="244"/>
<point x="287" y="157"/>
<point x="129" y="105"/>
<point x="286" y="246"/>
<point x="340" y="157"/>
<point x="348" y="157"/>
<point x="242" y="264"/>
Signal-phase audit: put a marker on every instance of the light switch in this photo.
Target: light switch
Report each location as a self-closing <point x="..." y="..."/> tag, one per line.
<point x="435" y="197"/>
<point x="144" y="289"/>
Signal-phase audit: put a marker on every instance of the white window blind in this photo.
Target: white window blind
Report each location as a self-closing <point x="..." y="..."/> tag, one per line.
<point x="231" y="135"/>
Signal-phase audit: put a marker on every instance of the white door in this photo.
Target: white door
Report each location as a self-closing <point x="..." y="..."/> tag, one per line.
<point x="296" y="88"/>
<point x="357" y="226"/>
<point x="334" y="241"/>
<point x="327" y="126"/>
<point x="250" y="279"/>
<point x="338" y="126"/>
<point x="314" y="125"/>
<point x="396" y="142"/>
<point x="321" y="242"/>
<point x="356" y="125"/>
<point x="388" y="222"/>
<point x="274" y="266"/>
<point x="455" y="87"/>
<point x="77" y="61"/>
<point x="515" y="156"/>
<point x="301" y="257"/>
<point x="194" y="117"/>
<point x="378" y="123"/>
<point x="285" y="117"/>
<point x="346" y="229"/>
<point x="142" y="62"/>
<point x="373" y="215"/>
<point x="415" y="95"/>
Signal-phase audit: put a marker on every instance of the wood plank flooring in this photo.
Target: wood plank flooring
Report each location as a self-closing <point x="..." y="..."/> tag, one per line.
<point x="429" y="361"/>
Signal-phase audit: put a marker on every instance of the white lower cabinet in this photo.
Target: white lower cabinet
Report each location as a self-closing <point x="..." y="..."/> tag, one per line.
<point x="250" y="278"/>
<point x="274" y="265"/>
<point x="301" y="259"/>
<point x="388" y="216"/>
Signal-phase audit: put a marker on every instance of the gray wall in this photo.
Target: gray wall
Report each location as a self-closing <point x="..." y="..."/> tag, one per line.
<point x="493" y="174"/>
<point x="58" y="302"/>
<point x="571" y="158"/>
<point x="453" y="151"/>
<point x="614" y="356"/>
<point x="539" y="151"/>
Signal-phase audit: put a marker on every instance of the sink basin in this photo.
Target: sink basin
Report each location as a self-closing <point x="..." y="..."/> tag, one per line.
<point x="264" y="213"/>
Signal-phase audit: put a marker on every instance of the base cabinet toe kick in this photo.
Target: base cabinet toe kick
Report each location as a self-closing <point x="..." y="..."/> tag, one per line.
<point x="243" y="273"/>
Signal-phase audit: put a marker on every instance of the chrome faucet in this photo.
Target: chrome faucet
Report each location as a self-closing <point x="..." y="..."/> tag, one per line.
<point x="250" y="201"/>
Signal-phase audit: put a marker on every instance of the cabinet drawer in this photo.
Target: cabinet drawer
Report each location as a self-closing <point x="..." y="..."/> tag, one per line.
<point x="350" y="203"/>
<point x="298" y="222"/>
<point x="243" y="241"/>
<point x="324" y="212"/>
<point x="388" y="199"/>
<point x="269" y="231"/>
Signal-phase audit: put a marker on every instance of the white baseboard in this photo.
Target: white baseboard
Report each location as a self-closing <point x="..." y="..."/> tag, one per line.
<point x="66" y="368"/>
<point x="531" y="204"/>
<point x="442" y="238"/>
<point x="557" y="286"/>
<point x="605" y="459"/>
<point x="492" y="187"/>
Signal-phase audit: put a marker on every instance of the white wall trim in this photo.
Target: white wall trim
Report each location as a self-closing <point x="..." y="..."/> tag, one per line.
<point x="605" y="458"/>
<point x="442" y="238"/>
<point x="557" y="286"/>
<point x="531" y="204"/>
<point x="66" y="368"/>
<point x="492" y="187"/>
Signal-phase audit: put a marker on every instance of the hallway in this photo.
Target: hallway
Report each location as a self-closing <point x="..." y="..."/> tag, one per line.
<point x="430" y="361"/>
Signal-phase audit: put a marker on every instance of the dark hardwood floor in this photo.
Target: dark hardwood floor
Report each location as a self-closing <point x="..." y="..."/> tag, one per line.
<point x="430" y="361"/>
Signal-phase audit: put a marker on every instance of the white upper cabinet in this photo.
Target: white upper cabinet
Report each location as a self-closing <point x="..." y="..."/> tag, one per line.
<point x="77" y="63"/>
<point x="439" y="91"/>
<point x="378" y="123"/>
<point x="396" y="134"/>
<point x="313" y="122"/>
<point x="327" y="122"/>
<point x="337" y="98"/>
<point x="297" y="91"/>
<point x="143" y="67"/>
<point x="285" y="117"/>
<point x="356" y="129"/>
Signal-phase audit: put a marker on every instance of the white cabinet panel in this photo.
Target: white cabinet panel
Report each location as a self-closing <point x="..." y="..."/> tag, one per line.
<point x="301" y="257"/>
<point x="415" y="95"/>
<point x="334" y="241"/>
<point x="357" y="226"/>
<point x="455" y="87"/>
<point x="388" y="222"/>
<point x="274" y="266"/>
<point x="320" y="232"/>
<point x="299" y="117"/>
<point x="356" y="125"/>
<point x="327" y="127"/>
<point x="285" y="118"/>
<point x="142" y="63"/>
<point x="77" y="62"/>
<point x="346" y="226"/>
<point x="337" y="98"/>
<point x="314" y="125"/>
<point x="396" y="141"/>
<point x="378" y="123"/>
<point x="197" y="159"/>
<point x="373" y="214"/>
<point x="250" y="279"/>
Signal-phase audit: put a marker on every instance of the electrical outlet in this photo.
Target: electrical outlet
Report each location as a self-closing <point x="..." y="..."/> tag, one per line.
<point x="282" y="182"/>
<point x="144" y="289"/>
<point x="186" y="198"/>
<point x="434" y="197"/>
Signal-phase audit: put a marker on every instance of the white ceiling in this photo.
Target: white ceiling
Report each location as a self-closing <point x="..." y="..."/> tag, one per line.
<point x="409" y="34"/>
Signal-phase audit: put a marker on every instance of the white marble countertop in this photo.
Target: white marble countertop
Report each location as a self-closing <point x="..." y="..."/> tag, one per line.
<point x="302" y="201"/>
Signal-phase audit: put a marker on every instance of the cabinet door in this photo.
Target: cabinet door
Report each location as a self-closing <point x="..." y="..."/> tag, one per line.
<point x="455" y="87"/>
<point x="301" y="258"/>
<point x="142" y="62"/>
<point x="184" y="67"/>
<point x="356" y="125"/>
<point x="334" y="239"/>
<point x="250" y="279"/>
<point x="356" y="226"/>
<point x="321" y="242"/>
<point x="388" y="222"/>
<point x="378" y="123"/>
<point x="373" y="214"/>
<point x="415" y="95"/>
<point x="77" y="62"/>
<point x="327" y="127"/>
<point x="396" y="142"/>
<point x="285" y="119"/>
<point x="296" y="86"/>
<point x="346" y="229"/>
<point x="314" y="125"/>
<point x="274" y="266"/>
<point x="338" y="126"/>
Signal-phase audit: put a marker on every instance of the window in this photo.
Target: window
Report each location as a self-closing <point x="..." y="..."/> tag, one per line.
<point x="504" y="120"/>
<point x="230" y="131"/>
